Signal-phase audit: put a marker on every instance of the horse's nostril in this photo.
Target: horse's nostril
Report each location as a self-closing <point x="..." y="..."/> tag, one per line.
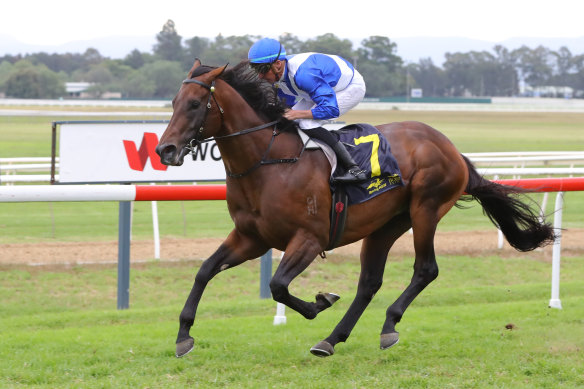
<point x="166" y="152"/>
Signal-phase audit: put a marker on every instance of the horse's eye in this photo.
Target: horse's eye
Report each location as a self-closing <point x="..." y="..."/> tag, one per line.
<point x="195" y="104"/>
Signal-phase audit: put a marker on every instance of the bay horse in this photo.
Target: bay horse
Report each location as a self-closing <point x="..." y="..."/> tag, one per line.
<point x="279" y="196"/>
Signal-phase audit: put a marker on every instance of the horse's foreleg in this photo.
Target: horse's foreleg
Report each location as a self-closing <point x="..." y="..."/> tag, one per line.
<point x="374" y="251"/>
<point x="235" y="250"/>
<point x="424" y="222"/>
<point x="300" y="253"/>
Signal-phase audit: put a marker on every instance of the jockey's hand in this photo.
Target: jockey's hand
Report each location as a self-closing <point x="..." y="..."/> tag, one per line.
<point x="293" y="114"/>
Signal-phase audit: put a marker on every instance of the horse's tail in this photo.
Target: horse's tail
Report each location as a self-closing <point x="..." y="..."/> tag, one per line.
<point x="519" y="223"/>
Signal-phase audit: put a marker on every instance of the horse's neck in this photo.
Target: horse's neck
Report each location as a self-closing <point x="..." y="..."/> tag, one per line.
<point x="241" y="152"/>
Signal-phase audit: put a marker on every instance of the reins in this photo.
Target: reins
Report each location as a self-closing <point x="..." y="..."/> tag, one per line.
<point x="196" y="142"/>
<point x="264" y="161"/>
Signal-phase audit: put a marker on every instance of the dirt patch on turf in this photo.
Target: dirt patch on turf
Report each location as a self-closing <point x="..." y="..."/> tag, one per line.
<point x="469" y="243"/>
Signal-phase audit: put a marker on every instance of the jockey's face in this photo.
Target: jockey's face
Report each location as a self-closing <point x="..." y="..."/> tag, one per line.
<point x="275" y="72"/>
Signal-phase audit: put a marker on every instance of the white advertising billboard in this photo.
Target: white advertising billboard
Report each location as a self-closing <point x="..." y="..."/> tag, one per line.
<point x="113" y="152"/>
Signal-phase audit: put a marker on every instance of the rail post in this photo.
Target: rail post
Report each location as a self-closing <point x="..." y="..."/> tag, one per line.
<point x="556" y="254"/>
<point x="266" y="275"/>
<point x="125" y="215"/>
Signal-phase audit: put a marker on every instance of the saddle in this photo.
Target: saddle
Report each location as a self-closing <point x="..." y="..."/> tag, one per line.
<point x="371" y="150"/>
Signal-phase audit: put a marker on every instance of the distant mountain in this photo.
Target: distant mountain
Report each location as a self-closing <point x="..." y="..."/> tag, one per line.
<point x="112" y="46"/>
<point x="411" y="49"/>
<point x="414" y="48"/>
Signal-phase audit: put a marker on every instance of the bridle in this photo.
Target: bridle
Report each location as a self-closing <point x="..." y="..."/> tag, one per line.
<point x="197" y="140"/>
<point x="199" y="133"/>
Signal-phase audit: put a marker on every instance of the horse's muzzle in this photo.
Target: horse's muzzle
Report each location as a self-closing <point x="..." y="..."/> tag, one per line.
<point x="169" y="154"/>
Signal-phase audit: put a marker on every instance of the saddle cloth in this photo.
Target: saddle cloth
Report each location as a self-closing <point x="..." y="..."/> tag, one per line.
<point x="371" y="150"/>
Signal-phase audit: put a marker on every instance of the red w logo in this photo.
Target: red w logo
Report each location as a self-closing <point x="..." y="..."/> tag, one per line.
<point x="138" y="158"/>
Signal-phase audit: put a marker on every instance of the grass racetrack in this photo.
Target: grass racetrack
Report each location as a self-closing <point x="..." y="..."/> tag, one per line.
<point x="483" y="323"/>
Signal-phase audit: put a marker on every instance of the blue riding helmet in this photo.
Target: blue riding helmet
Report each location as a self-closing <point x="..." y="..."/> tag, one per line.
<point x="266" y="50"/>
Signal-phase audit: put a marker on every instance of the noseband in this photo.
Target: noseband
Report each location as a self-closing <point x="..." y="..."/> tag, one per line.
<point x="197" y="141"/>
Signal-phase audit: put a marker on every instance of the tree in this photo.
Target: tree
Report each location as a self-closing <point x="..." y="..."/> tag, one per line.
<point x="379" y="82"/>
<point x="330" y="44"/>
<point x="231" y="49"/>
<point x="291" y="43"/>
<point x="380" y="67"/>
<point x="6" y="69"/>
<point x="463" y="74"/>
<point x="565" y="66"/>
<point x="381" y="50"/>
<point x="196" y="47"/>
<point x="135" y="59"/>
<point x="169" y="45"/>
<point x="535" y="65"/>
<point x="92" y="57"/>
<point x="99" y="74"/>
<point x="494" y="73"/>
<point x="429" y="77"/>
<point x="138" y="85"/>
<point x="166" y="76"/>
<point x="34" y="82"/>
<point x="577" y="79"/>
<point x="507" y="80"/>
<point x="68" y="62"/>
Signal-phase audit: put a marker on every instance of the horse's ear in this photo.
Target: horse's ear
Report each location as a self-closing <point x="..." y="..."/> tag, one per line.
<point x="217" y="72"/>
<point x="195" y="65"/>
<point x="224" y="67"/>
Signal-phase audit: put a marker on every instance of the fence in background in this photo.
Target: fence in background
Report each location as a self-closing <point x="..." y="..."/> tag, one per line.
<point x="18" y="170"/>
<point x="516" y="164"/>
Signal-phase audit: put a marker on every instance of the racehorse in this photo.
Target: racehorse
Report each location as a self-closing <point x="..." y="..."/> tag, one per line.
<point x="279" y="196"/>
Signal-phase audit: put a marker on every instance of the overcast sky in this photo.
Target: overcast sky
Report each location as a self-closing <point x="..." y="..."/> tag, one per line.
<point x="60" y="21"/>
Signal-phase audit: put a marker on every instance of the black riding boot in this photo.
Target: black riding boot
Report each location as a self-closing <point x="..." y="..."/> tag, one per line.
<point x="354" y="172"/>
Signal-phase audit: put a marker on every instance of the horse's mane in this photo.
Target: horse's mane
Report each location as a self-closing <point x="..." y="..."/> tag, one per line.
<point x="259" y="94"/>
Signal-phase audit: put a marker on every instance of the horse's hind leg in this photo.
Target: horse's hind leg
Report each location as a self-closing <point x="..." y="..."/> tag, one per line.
<point x="299" y="253"/>
<point x="235" y="250"/>
<point x="424" y="221"/>
<point x="374" y="251"/>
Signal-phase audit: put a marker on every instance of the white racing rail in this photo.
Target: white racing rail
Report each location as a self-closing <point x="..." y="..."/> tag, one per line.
<point x="11" y="169"/>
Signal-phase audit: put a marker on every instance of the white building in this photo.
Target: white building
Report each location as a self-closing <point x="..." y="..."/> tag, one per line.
<point x="79" y="90"/>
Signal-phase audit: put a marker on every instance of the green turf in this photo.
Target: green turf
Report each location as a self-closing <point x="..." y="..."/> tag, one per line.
<point x="78" y="221"/>
<point x="60" y="329"/>
<point x="473" y="132"/>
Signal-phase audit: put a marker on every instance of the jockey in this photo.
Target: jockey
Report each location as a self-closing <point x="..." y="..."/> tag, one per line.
<point x="318" y="87"/>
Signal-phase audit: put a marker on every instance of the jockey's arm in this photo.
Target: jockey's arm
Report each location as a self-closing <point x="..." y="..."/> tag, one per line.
<point x="293" y="114"/>
<point x="321" y="93"/>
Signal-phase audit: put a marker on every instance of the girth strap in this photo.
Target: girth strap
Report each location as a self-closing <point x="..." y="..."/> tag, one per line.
<point x="339" y="211"/>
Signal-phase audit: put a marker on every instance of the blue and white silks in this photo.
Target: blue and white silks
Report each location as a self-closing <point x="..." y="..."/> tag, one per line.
<point x="328" y="85"/>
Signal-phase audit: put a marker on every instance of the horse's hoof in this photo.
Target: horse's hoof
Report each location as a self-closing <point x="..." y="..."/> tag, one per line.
<point x="388" y="340"/>
<point x="327" y="298"/>
<point x="323" y="349"/>
<point x="184" y="347"/>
